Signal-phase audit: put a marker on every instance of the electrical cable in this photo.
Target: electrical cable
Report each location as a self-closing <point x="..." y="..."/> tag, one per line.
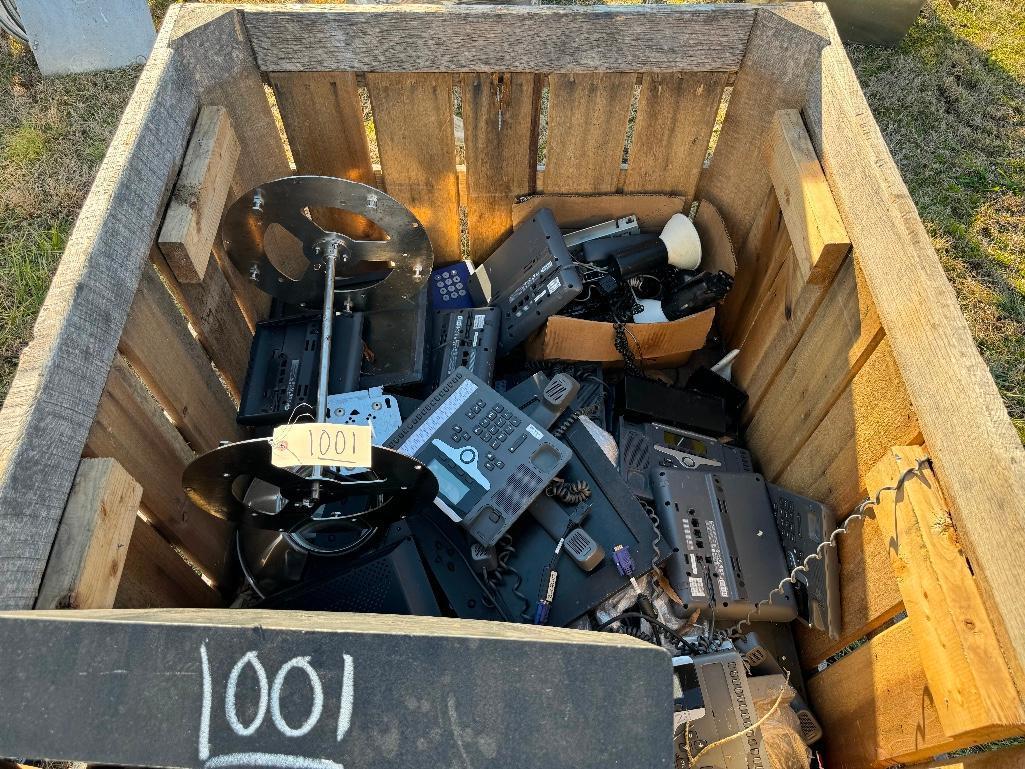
<point x="859" y="514"/>
<point x="682" y="642"/>
<point x="656" y="551"/>
<point x="568" y="492"/>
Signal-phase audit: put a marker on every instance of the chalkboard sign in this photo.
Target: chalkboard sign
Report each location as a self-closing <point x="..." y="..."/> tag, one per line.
<point x="324" y="691"/>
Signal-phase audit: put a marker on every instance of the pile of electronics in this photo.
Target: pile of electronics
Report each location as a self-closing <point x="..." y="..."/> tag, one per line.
<point x="516" y="490"/>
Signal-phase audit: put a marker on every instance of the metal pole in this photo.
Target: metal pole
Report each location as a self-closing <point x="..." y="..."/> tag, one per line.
<point x="326" y="328"/>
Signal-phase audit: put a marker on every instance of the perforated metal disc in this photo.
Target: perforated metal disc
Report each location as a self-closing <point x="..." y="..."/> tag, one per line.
<point x="407" y="251"/>
<point x="218" y="482"/>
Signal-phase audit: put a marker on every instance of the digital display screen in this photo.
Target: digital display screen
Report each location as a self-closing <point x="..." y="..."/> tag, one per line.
<point x="449" y="485"/>
<point x="683" y="443"/>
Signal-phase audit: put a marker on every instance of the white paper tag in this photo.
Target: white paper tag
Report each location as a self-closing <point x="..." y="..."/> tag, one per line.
<point x="321" y="443"/>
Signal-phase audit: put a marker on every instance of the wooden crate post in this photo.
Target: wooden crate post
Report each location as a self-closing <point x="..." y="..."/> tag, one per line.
<point x="92" y="542"/>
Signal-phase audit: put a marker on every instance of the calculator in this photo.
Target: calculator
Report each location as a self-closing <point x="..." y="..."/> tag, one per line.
<point x="491" y="460"/>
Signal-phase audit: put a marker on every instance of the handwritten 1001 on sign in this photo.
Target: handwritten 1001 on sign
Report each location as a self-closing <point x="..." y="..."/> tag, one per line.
<point x="321" y="443"/>
<point x="270" y="693"/>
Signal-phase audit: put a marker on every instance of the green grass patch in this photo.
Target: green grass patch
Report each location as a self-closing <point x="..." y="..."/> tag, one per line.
<point x="950" y="101"/>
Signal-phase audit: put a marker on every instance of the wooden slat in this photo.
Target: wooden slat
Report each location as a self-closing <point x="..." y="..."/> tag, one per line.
<point x="213" y="310"/>
<point x="816" y="230"/>
<point x="1001" y="758"/>
<point x="875" y="706"/>
<point x="508" y="39"/>
<point x="872" y="414"/>
<point x="675" y="117"/>
<point x="156" y="576"/>
<point x="842" y="335"/>
<point x="578" y="211"/>
<point x="781" y="56"/>
<point x="323" y="120"/>
<point x="413" y="120"/>
<point x="787" y="308"/>
<point x="768" y="279"/>
<point x="92" y="541"/>
<point x="963" y="662"/>
<point x="587" y="117"/>
<point x="80" y="321"/>
<point x="500" y="121"/>
<point x="157" y="343"/>
<point x="131" y="428"/>
<point x="254" y="303"/>
<point x="977" y="454"/>
<point x="194" y="214"/>
<point x="868" y="592"/>
<point x="64" y="369"/>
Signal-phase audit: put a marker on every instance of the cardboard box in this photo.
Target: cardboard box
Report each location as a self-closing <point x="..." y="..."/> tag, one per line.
<point x="656" y="345"/>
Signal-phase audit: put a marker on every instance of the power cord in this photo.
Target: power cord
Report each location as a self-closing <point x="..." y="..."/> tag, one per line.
<point x="859" y="514"/>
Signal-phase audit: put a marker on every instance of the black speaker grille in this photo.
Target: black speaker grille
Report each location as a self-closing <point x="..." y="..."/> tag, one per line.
<point x="523" y="486"/>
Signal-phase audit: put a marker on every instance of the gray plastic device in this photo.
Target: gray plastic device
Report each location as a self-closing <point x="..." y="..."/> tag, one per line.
<point x="727" y="554"/>
<point x="803" y="524"/>
<point x="491" y="460"/>
<point x="529" y="277"/>
<point x="720" y="707"/>
<point x="645" y="446"/>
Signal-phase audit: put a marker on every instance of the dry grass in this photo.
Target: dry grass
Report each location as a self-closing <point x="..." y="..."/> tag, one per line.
<point x="951" y="103"/>
<point x="950" y="100"/>
<point x="53" y="135"/>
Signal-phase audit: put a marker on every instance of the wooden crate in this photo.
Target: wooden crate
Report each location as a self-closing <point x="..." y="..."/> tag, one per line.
<point x="854" y="350"/>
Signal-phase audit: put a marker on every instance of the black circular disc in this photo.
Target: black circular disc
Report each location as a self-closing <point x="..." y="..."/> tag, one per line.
<point x="219" y="480"/>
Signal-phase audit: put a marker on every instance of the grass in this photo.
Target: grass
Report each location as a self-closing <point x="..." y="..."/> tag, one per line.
<point x="950" y="101"/>
<point x="53" y="135"/>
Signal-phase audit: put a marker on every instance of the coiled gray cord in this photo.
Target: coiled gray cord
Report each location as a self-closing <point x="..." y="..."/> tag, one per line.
<point x="859" y="514"/>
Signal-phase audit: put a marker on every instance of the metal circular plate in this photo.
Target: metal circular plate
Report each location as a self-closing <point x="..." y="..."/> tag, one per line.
<point x="219" y="480"/>
<point x="407" y="252"/>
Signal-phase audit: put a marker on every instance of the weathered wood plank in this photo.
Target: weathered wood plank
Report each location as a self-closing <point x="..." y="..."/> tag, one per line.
<point x="492" y="39"/>
<point x="63" y="369"/>
<point x="323" y="120"/>
<point x="416" y="139"/>
<point x="962" y="659"/>
<point x="977" y="454"/>
<point x="194" y="214"/>
<point x="675" y="117"/>
<point x="872" y="414"/>
<point x="500" y="122"/>
<point x="370" y="668"/>
<point x="787" y="309"/>
<point x="214" y="312"/>
<point x="781" y="56"/>
<point x="131" y="428"/>
<point x="820" y="239"/>
<point x="156" y="576"/>
<point x="868" y="592"/>
<point x="875" y="706"/>
<point x="842" y="335"/>
<point x="93" y="539"/>
<point x="762" y="254"/>
<point x="157" y="342"/>
<point x="770" y="284"/>
<point x="578" y="211"/>
<point x="587" y="117"/>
